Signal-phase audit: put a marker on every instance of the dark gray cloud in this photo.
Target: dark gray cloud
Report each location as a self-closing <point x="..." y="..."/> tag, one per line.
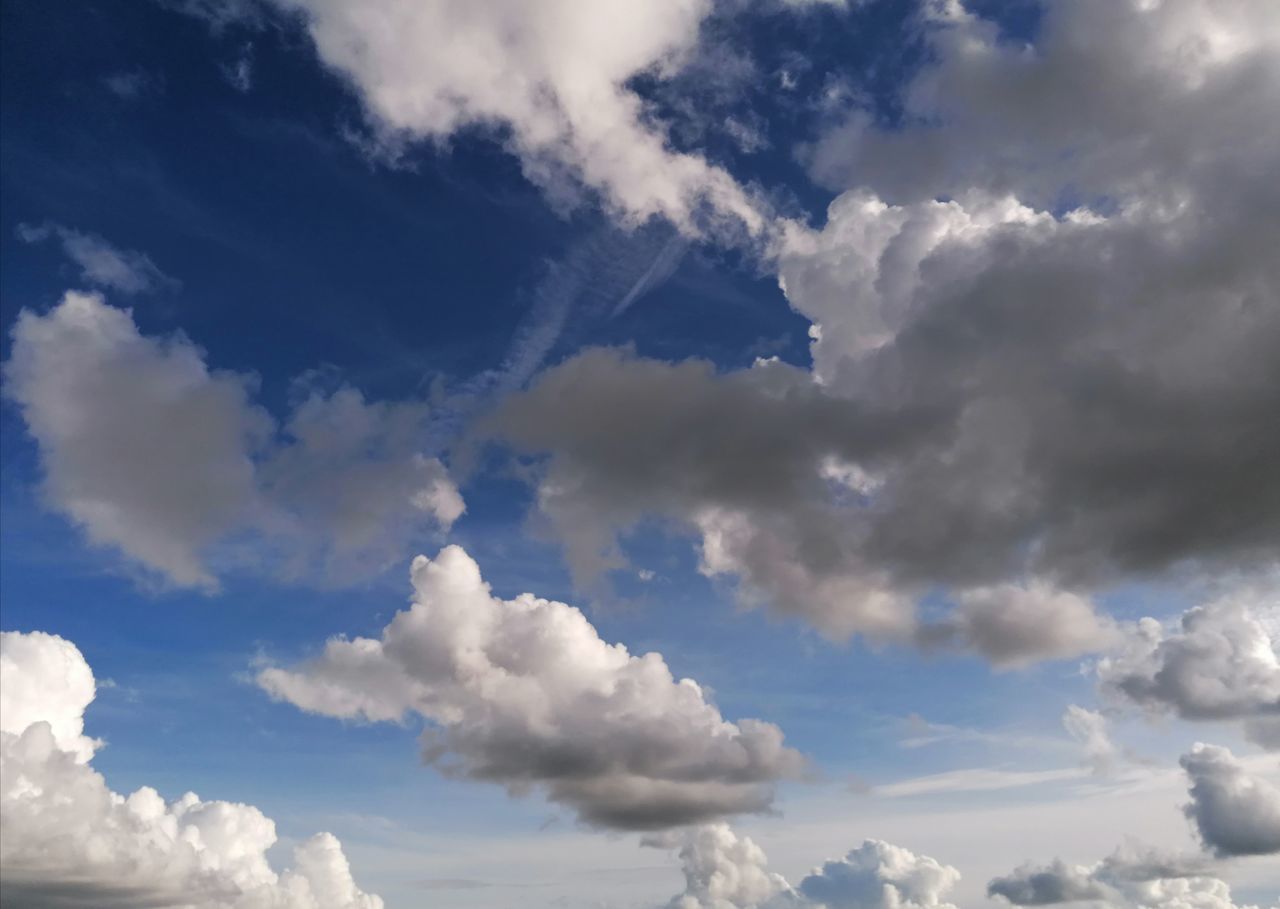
<point x="1234" y="812"/>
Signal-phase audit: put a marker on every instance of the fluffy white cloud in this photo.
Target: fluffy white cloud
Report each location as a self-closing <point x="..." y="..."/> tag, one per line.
<point x="1219" y="661"/>
<point x="1235" y="813"/>
<point x="725" y="871"/>
<point x="101" y="264"/>
<point x="524" y="693"/>
<point x="70" y="841"/>
<point x="879" y="875"/>
<point x="44" y="678"/>
<point x="152" y="452"/>
<point x="550" y="77"/>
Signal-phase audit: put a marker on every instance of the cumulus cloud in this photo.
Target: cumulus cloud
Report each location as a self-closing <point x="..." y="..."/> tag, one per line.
<point x="1111" y="98"/>
<point x="1129" y="878"/>
<point x="1002" y="393"/>
<point x="101" y="264"/>
<point x="726" y="871"/>
<point x="1234" y="812"/>
<point x="524" y="693"/>
<point x="70" y="841"/>
<point x="1219" y="661"/>
<point x="879" y="875"/>
<point x="152" y="452"/>
<point x="723" y="870"/>
<point x="550" y="78"/>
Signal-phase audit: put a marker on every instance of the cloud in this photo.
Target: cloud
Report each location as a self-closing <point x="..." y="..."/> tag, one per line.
<point x="1234" y="812"/>
<point x="551" y="80"/>
<point x="1014" y="625"/>
<point x="879" y="875"/>
<point x="70" y="841"/>
<point x="1129" y="878"/>
<point x="524" y="693"/>
<point x="152" y="452"/>
<point x="102" y="264"/>
<point x="1089" y="728"/>
<point x="1218" y="662"/>
<point x="1111" y="98"/>
<point x="975" y="779"/>
<point x="725" y="871"/>
<point x="722" y="870"/>
<point x="1010" y="398"/>
<point x="794" y="523"/>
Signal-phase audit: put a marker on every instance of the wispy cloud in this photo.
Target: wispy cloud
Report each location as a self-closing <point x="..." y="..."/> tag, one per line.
<point x="101" y="264"/>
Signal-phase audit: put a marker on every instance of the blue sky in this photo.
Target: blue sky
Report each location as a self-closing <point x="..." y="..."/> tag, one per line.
<point x="298" y="220"/>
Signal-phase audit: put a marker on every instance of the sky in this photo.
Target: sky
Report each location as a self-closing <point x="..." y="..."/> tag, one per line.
<point x="703" y="454"/>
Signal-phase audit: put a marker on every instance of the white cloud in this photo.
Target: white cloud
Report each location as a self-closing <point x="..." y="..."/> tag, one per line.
<point x="154" y="453"/>
<point x="879" y="875"/>
<point x="552" y="76"/>
<point x="524" y="693"/>
<point x="722" y="870"/>
<point x="975" y="779"/>
<point x="44" y="678"/>
<point x="71" y="841"/>
<point x="1089" y="728"/>
<point x="101" y="264"/>
<point x="1219" y="661"/>
<point x="726" y="871"/>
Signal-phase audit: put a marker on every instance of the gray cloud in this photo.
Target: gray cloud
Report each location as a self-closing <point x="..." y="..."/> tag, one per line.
<point x="155" y="454"/>
<point x="1114" y="98"/>
<point x="524" y="693"/>
<point x="1130" y="878"/>
<point x="1219" y="662"/>
<point x="102" y="264"/>
<point x="1234" y="812"/>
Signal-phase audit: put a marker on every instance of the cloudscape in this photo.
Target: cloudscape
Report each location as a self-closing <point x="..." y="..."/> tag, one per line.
<point x="684" y="454"/>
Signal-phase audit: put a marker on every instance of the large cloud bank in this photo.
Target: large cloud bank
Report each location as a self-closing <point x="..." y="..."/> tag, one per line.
<point x="1046" y="380"/>
<point x="524" y="693"/>
<point x="154" y="453"/>
<point x="70" y="841"/>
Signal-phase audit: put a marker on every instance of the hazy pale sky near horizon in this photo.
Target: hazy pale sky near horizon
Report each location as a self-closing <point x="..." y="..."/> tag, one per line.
<point x="702" y="454"/>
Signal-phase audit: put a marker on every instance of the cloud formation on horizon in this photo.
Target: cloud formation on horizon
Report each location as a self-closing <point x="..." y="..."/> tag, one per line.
<point x="70" y="841"/>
